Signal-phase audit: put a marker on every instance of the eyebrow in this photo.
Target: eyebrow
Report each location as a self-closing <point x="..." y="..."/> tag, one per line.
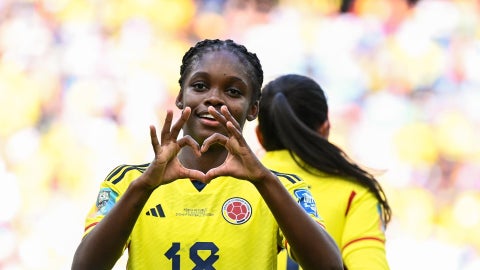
<point x="230" y="77"/>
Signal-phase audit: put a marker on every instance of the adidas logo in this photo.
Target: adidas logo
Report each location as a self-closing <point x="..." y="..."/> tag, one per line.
<point x="157" y="211"/>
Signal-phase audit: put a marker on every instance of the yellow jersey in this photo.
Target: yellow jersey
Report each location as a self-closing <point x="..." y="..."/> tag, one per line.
<point x="226" y="225"/>
<point x="352" y="215"/>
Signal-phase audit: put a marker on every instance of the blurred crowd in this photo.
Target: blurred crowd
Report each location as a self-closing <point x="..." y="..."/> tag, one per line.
<point x="81" y="81"/>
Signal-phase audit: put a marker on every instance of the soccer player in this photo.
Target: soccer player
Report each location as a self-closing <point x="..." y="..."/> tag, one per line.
<point x="206" y="201"/>
<point x="293" y="128"/>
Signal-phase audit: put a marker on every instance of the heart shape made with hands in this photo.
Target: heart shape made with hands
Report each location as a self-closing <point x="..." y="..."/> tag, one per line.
<point x="202" y="152"/>
<point x="240" y="162"/>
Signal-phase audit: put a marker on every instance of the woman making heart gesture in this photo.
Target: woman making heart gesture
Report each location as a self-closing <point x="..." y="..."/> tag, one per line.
<point x="206" y="201"/>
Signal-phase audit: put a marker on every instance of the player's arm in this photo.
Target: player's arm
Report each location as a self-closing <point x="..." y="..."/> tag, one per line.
<point x="103" y="246"/>
<point x="311" y="245"/>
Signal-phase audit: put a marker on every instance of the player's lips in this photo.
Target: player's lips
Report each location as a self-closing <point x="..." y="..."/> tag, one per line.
<point x="206" y="115"/>
<point x="207" y="119"/>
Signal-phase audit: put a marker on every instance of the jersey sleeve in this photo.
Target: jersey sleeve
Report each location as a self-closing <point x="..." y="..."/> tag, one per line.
<point x="107" y="197"/>
<point x="111" y="190"/>
<point x="300" y="191"/>
<point x="363" y="241"/>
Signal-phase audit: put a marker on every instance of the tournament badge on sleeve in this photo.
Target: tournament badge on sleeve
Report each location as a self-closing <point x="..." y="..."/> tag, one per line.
<point x="305" y="199"/>
<point x="106" y="200"/>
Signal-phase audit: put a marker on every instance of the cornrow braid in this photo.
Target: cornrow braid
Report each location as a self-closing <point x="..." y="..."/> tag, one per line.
<point x="193" y="55"/>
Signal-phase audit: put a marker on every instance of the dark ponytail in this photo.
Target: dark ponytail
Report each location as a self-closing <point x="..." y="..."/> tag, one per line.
<point x="292" y="107"/>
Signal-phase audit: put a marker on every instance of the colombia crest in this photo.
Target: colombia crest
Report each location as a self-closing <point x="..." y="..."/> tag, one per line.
<point x="236" y="211"/>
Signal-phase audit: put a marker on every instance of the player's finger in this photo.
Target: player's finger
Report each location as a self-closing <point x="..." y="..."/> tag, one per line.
<point x="213" y="139"/>
<point x="228" y="116"/>
<point x="234" y="131"/>
<point x="154" y="138"/>
<point x="214" y="173"/>
<point x="166" y="127"/>
<point x="189" y="141"/>
<point x="217" y="115"/>
<point x="180" y="122"/>
<point x="192" y="174"/>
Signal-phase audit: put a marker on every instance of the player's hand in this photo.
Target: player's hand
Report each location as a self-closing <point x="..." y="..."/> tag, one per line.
<point x="241" y="162"/>
<point x="166" y="167"/>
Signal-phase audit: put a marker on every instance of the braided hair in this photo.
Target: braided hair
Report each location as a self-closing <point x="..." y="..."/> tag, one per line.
<point x="251" y="61"/>
<point x="292" y="107"/>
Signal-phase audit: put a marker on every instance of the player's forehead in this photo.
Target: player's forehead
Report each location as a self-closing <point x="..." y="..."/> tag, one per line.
<point x="222" y="61"/>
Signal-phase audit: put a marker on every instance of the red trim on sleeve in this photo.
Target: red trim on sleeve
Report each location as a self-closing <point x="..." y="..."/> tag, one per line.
<point x="322" y="225"/>
<point x="362" y="239"/>
<point x="350" y="199"/>
<point x="91" y="225"/>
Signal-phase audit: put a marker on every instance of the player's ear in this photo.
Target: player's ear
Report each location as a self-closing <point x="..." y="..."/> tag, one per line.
<point x="324" y="129"/>
<point x="259" y="135"/>
<point x="179" y="100"/>
<point x="253" y="111"/>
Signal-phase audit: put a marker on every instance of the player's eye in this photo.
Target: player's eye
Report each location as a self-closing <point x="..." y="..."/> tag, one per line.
<point x="234" y="92"/>
<point x="199" y="86"/>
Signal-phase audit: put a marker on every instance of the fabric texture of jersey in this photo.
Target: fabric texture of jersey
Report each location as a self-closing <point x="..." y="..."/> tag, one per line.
<point x="227" y="225"/>
<point x="351" y="213"/>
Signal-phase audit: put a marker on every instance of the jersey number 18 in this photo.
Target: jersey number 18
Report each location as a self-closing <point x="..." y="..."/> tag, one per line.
<point x="200" y="263"/>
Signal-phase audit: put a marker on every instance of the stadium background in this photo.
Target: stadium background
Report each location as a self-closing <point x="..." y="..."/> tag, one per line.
<point x="80" y="81"/>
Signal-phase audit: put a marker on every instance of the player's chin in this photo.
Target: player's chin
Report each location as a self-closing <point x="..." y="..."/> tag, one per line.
<point x="214" y="131"/>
